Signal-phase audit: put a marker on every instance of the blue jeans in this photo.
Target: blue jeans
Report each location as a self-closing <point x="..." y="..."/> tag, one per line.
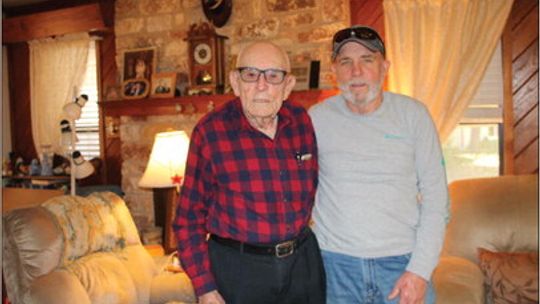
<point x="352" y="280"/>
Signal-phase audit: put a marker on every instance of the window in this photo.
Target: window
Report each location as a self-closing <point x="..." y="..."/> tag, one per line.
<point x="474" y="147"/>
<point x="87" y="127"/>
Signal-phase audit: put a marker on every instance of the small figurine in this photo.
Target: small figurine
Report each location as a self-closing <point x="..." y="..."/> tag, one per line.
<point x="35" y="168"/>
<point x="20" y="168"/>
<point x="72" y="110"/>
<point x="65" y="129"/>
<point x="6" y="168"/>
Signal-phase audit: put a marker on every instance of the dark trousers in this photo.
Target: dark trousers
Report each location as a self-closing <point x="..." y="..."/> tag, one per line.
<point x="246" y="278"/>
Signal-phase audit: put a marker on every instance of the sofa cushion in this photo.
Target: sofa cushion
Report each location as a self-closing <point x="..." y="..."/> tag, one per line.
<point x="458" y="280"/>
<point x="511" y="277"/>
<point x="500" y="214"/>
<point x="105" y="278"/>
<point x="32" y="246"/>
<point x="99" y="222"/>
<point x="44" y="290"/>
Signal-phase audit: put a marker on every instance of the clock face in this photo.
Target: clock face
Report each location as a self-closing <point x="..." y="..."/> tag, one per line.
<point x="202" y="53"/>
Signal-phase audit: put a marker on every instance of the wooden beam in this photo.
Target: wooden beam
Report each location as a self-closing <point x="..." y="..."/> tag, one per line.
<point x="83" y="18"/>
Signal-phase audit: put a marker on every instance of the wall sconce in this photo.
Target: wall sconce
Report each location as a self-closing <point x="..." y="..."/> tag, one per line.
<point x="164" y="173"/>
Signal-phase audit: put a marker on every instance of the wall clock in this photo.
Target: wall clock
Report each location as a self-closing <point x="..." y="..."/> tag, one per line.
<point x="206" y="60"/>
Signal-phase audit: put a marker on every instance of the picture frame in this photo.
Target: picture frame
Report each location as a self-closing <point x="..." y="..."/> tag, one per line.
<point x="163" y="85"/>
<point x="139" y="63"/>
<point x="301" y="71"/>
<point x="135" y="88"/>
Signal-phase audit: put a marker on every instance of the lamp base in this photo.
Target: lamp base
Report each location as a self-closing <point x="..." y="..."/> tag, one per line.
<point x="164" y="210"/>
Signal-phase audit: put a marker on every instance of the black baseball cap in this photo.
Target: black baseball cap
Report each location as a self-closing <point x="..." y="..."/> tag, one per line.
<point x="364" y="35"/>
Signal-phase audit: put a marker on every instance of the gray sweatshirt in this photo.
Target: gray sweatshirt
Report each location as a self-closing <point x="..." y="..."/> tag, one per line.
<point x="382" y="182"/>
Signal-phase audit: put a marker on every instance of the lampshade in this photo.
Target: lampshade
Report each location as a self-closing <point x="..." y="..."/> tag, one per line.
<point x="167" y="161"/>
<point x="82" y="168"/>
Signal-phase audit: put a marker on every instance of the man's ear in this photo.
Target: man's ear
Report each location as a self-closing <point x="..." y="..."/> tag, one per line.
<point x="234" y="80"/>
<point x="290" y="82"/>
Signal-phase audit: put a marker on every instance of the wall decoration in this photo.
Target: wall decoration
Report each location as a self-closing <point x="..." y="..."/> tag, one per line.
<point x="301" y="72"/>
<point x="163" y="85"/>
<point x="139" y="63"/>
<point x="135" y="88"/>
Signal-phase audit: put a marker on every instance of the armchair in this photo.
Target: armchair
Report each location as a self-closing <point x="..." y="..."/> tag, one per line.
<point x="73" y="249"/>
<point x="498" y="214"/>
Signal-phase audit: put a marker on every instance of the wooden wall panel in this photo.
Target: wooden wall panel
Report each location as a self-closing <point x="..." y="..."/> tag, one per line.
<point x="527" y="161"/>
<point x="527" y="32"/>
<point x="19" y="91"/>
<point x="527" y="130"/>
<point x="519" y="12"/>
<point x="520" y="57"/>
<point x="522" y="97"/>
<point x="524" y="67"/>
<point x="368" y="12"/>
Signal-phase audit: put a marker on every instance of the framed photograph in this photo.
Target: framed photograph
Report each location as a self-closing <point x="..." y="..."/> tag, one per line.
<point x="135" y="88"/>
<point x="301" y="72"/>
<point x="139" y="63"/>
<point x="163" y="85"/>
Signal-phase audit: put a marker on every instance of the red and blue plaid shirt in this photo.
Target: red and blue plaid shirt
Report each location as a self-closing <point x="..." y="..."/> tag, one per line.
<point x="241" y="184"/>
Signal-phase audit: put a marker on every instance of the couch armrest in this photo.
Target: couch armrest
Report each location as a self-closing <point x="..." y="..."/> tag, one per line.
<point x="458" y="280"/>
<point x="168" y="286"/>
<point x="45" y="289"/>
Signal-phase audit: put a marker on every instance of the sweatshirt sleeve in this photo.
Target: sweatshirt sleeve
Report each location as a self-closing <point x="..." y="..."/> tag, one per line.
<point x="434" y="201"/>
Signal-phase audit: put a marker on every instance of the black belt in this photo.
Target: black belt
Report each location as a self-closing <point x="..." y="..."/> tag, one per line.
<point x="279" y="250"/>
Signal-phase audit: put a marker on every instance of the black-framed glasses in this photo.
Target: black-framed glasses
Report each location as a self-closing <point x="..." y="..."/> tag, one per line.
<point x="272" y="76"/>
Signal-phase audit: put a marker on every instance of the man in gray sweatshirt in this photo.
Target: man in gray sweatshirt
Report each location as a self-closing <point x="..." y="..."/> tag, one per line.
<point x="382" y="203"/>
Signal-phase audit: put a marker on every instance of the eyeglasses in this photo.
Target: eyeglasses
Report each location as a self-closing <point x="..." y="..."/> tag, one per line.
<point x="272" y="76"/>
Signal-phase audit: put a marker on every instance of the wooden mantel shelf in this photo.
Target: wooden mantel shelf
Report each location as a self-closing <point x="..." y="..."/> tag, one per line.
<point x="192" y="104"/>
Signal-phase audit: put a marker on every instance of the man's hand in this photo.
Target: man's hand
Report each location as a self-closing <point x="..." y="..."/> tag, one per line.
<point x="411" y="289"/>
<point x="212" y="297"/>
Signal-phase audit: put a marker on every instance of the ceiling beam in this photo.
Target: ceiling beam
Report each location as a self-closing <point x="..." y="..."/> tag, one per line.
<point x="78" y="19"/>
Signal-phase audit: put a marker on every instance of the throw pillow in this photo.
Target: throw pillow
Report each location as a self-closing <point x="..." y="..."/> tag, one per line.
<point x="511" y="277"/>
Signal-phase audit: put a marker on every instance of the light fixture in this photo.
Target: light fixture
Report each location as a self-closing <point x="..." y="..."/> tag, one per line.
<point x="164" y="174"/>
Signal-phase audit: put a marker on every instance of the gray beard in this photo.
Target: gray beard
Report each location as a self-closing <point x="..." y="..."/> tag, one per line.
<point x="369" y="98"/>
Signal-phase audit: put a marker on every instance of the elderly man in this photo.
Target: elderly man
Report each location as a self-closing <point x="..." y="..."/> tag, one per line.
<point x="382" y="203"/>
<point x="250" y="184"/>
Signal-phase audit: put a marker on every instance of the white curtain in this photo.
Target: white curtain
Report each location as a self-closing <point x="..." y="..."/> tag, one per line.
<point x="57" y="68"/>
<point x="440" y="49"/>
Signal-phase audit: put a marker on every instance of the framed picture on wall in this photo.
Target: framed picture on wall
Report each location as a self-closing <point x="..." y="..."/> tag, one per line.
<point x="301" y="72"/>
<point x="139" y="63"/>
<point x="135" y="88"/>
<point x="163" y="85"/>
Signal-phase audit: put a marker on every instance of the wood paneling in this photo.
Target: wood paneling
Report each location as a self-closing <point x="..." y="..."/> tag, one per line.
<point x="58" y="22"/>
<point x="519" y="12"/>
<point x="526" y="32"/>
<point x="520" y="57"/>
<point x="19" y="91"/>
<point x="523" y="96"/>
<point x="524" y="66"/>
<point x="527" y="130"/>
<point x="368" y="12"/>
<point x="527" y="161"/>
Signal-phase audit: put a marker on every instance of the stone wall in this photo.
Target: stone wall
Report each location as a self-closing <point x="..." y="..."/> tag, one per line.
<point x="303" y="28"/>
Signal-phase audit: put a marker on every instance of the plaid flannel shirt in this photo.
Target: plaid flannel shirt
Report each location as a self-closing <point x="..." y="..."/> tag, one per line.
<point x="243" y="185"/>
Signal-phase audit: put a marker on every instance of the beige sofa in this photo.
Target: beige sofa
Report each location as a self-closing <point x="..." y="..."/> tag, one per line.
<point x="83" y="250"/>
<point x="499" y="214"/>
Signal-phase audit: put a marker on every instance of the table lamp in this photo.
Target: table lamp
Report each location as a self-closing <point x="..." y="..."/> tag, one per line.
<point x="164" y="173"/>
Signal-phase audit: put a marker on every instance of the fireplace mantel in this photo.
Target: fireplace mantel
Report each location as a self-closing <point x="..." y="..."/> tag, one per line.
<point x="111" y="111"/>
<point x="192" y="104"/>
